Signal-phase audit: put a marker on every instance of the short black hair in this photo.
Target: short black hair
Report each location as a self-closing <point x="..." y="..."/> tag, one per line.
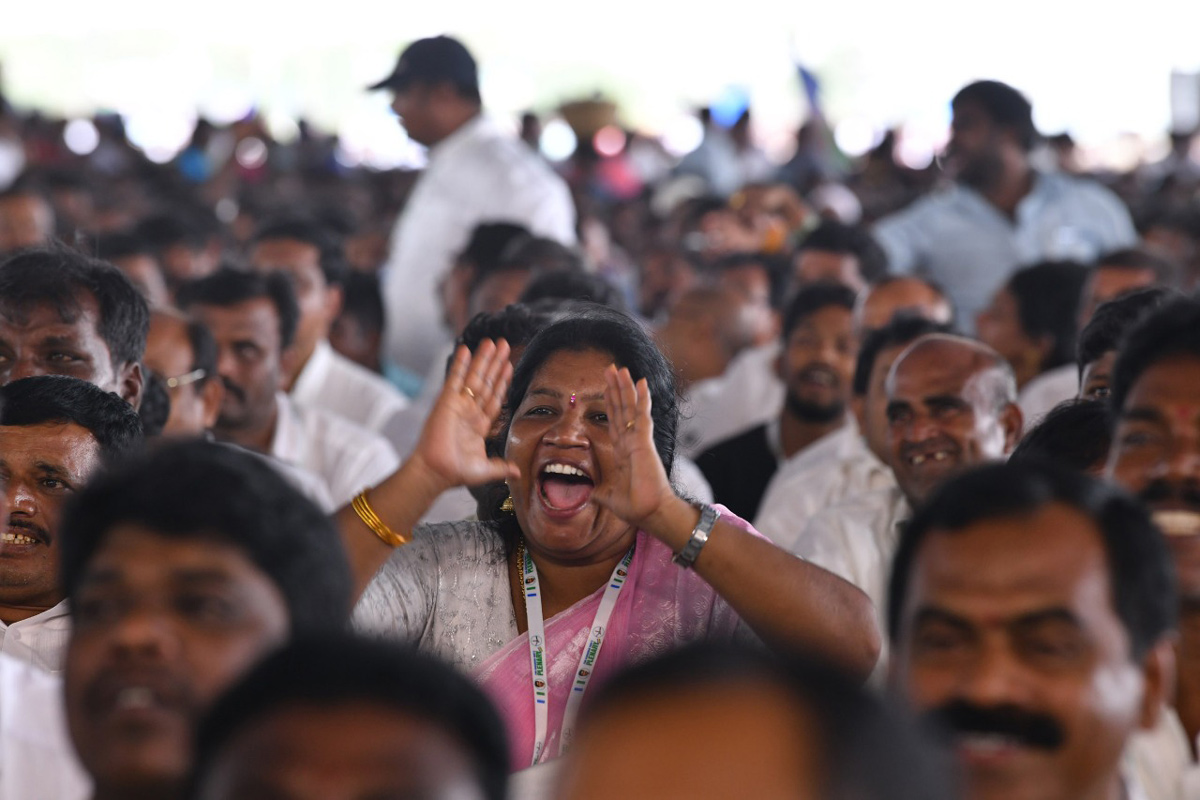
<point x="120" y="244"/>
<point x="517" y="324"/>
<point x="1138" y="259"/>
<point x="201" y="490"/>
<point x="854" y="240"/>
<point x="204" y="350"/>
<point x="871" y="750"/>
<point x="343" y="669"/>
<point x="1004" y="105"/>
<point x="58" y="276"/>
<point x="582" y="287"/>
<point x="230" y="287"/>
<point x="155" y="408"/>
<point x="362" y="299"/>
<point x="166" y="230"/>
<point x="900" y="331"/>
<point x="311" y="232"/>
<point x="1075" y="434"/>
<point x="540" y="254"/>
<point x="1169" y="331"/>
<point x="1112" y="320"/>
<point x="596" y="327"/>
<point x="775" y="267"/>
<point x="811" y="299"/>
<point x="59" y="399"/>
<point x="1047" y="296"/>
<point x="486" y="246"/>
<point x="1141" y="573"/>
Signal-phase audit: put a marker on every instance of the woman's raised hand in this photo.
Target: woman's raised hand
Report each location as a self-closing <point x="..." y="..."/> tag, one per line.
<point x="640" y="486"/>
<point x="452" y="443"/>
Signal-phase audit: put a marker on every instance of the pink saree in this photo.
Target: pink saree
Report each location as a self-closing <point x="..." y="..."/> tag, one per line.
<point x="662" y="606"/>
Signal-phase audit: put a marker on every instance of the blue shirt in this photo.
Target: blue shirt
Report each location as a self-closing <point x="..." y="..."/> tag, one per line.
<point x="960" y="240"/>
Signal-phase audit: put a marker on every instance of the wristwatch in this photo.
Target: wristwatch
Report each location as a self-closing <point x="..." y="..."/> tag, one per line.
<point x="691" y="551"/>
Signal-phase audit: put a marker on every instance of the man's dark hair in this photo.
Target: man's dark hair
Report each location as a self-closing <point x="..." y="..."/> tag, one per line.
<point x="1140" y="569"/>
<point x="853" y="240"/>
<point x="230" y="287"/>
<point x="900" y="331"/>
<point x="539" y="254"/>
<point x="120" y="244"/>
<point x="163" y="231"/>
<point x="488" y="242"/>
<point x="870" y="750"/>
<point x="310" y="232"/>
<point x="1112" y="320"/>
<point x="582" y="287"/>
<point x="362" y="299"/>
<point x="155" y="408"/>
<point x="1137" y="259"/>
<point x="1004" y="106"/>
<point x="215" y="492"/>
<point x="59" y="277"/>
<point x="58" y="399"/>
<point x="204" y="350"/>
<point x="1047" y="296"/>
<point x="341" y="670"/>
<point x="1172" y="330"/>
<point x="517" y="324"/>
<point x="1075" y="434"/>
<point x="811" y="299"/>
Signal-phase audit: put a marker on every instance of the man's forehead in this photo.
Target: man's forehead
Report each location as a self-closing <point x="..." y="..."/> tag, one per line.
<point x="1169" y="388"/>
<point x="65" y="312"/>
<point x="132" y="550"/>
<point x="248" y="313"/>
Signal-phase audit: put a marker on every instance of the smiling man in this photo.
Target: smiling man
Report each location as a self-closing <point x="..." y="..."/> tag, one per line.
<point x="1156" y="454"/>
<point x="55" y="433"/>
<point x="1032" y="617"/>
<point x="951" y="405"/>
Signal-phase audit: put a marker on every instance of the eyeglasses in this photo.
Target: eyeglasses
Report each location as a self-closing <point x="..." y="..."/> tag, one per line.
<point x="185" y="379"/>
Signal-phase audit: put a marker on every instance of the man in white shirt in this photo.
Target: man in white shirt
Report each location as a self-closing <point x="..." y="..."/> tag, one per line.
<point x="316" y="375"/>
<point x="476" y="173"/>
<point x="1155" y="394"/>
<point x="1001" y="213"/>
<point x="253" y="319"/>
<point x="55" y="433"/>
<point x="852" y="460"/>
<point x="1033" y="618"/>
<point x="951" y="404"/>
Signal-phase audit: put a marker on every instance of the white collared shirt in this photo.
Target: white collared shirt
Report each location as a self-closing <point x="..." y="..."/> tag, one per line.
<point x="830" y="471"/>
<point x="748" y="394"/>
<point x="349" y="458"/>
<point x="334" y="383"/>
<point x="37" y="759"/>
<point x="477" y="174"/>
<point x="1046" y="391"/>
<point x="1161" y="763"/>
<point x="40" y="640"/>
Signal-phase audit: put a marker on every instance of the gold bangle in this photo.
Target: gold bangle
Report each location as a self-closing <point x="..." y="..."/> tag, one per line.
<point x="369" y="518"/>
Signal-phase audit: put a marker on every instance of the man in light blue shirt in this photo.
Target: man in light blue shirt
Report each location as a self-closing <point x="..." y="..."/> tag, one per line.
<point x="1000" y="213"/>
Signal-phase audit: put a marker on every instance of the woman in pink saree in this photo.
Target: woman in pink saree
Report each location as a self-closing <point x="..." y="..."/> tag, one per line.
<point x="598" y="562"/>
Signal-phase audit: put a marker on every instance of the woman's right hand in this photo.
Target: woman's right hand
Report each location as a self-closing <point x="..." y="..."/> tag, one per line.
<point x="452" y="444"/>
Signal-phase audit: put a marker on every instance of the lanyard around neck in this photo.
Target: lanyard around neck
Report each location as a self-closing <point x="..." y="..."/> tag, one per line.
<point x="539" y="670"/>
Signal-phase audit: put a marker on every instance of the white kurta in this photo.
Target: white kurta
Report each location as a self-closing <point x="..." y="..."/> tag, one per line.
<point x="40" y="640"/>
<point x="1161" y="762"/>
<point x="746" y="395"/>
<point x="347" y="457"/>
<point x="477" y="174"/>
<point x="37" y="759"/>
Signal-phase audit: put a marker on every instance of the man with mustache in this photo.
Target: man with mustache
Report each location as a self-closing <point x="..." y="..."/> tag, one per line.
<point x="55" y="433"/>
<point x="816" y="364"/>
<point x="1156" y="453"/>
<point x="1032" y="616"/>
<point x="253" y="318"/>
<point x="951" y="404"/>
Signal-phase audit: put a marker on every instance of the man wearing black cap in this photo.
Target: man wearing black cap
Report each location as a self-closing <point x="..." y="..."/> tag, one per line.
<point x="476" y="173"/>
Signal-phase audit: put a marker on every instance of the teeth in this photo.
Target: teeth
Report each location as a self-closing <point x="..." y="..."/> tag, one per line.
<point x="1178" y="523"/>
<point x="135" y="697"/>
<point x="918" y="460"/>
<point x="986" y="742"/>
<point x="564" y="469"/>
<point x="940" y="456"/>
<point x="16" y="538"/>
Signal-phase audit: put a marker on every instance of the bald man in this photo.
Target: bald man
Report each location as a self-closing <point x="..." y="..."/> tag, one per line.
<point x="951" y="404"/>
<point x="900" y="296"/>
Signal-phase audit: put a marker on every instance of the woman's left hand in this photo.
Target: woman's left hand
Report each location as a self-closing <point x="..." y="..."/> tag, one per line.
<point x="640" y="488"/>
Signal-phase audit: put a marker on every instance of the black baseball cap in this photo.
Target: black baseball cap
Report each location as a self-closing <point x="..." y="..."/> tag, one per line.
<point x="439" y="59"/>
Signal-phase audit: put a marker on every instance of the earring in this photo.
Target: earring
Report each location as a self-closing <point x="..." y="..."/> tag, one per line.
<point x="507" y="505"/>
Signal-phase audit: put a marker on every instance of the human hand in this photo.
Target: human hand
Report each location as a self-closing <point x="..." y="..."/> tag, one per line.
<point x="452" y="447"/>
<point x="640" y="486"/>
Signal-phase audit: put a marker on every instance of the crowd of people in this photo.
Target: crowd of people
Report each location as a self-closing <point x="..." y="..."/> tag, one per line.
<point x="617" y="477"/>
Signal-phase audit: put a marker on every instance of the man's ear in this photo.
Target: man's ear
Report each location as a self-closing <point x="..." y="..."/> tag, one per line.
<point x="1158" y="673"/>
<point x="858" y="407"/>
<point x="213" y="394"/>
<point x="1013" y="422"/>
<point x="132" y="383"/>
<point x="334" y="298"/>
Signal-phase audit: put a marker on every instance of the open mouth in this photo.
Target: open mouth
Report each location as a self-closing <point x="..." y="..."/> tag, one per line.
<point x="12" y="537"/>
<point x="929" y="457"/>
<point x="1178" y="522"/>
<point x="564" y="488"/>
